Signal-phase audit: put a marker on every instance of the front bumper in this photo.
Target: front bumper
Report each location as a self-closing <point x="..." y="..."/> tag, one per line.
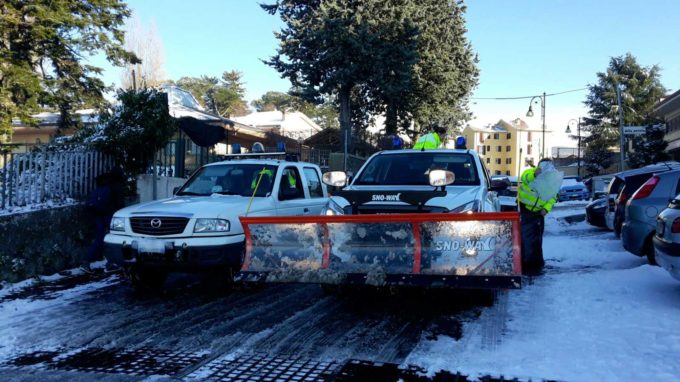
<point x="180" y="254"/>
<point x="573" y="196"/>
<point x="634" y="234"/>
<point x="667" y="255"/>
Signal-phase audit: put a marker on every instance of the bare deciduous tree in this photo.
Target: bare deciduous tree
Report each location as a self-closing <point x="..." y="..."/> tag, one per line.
<point x="147" y="45"/>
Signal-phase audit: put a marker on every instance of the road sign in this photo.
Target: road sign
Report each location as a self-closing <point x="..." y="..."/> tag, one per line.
<point x="634" y="130"/>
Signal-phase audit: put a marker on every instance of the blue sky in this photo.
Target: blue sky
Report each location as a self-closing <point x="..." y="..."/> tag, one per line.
<point x="525" y="47"/>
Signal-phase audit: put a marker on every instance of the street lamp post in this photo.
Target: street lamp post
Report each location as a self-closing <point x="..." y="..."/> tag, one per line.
<point x="578" y="148"/>
<point x="530" y="113"/>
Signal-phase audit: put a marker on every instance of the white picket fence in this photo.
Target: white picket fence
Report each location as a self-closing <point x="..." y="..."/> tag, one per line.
<point x="40" y="177"/>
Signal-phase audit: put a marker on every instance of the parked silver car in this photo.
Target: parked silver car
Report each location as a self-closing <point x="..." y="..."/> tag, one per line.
<point x="667" y="238"/>
<point x="642" y="209"/>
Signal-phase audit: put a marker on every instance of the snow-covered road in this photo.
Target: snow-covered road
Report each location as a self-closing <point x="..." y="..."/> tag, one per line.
<point x="598" y="313"/>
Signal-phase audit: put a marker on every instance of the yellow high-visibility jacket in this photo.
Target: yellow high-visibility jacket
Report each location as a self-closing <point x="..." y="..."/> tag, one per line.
<point x="529" y="197"/>
<point x="428" y="141"/>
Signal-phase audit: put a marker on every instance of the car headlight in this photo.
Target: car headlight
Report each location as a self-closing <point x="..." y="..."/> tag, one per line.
<point x="117" y="224"/>
<point x="469" y="207"/>
<point x="211" y="225"/>
<point x="332" y="208"/>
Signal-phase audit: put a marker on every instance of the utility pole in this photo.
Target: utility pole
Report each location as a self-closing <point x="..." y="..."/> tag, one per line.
<point x="543" y="119"/>
<point x="618" y="98"/>
<point x="134" y="81"/>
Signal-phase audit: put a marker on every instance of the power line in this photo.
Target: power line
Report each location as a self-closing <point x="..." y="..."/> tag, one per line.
<point x="527" y="97"/>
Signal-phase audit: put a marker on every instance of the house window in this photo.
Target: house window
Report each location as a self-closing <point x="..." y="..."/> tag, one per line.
<point x="529" y="136"/>
<point x="495" y="136"/>
<point x="509" y="135"/>
<point x="499" y="148"/>
<point x="488" y="160"/>
<point x="498" y="172"/>
<point x="529" y="149"/>
<point x="508" y="148"/>
<point x="488" y="148"/>
<point x="498" y="160"/>
<point x="481" y="137"/>
<point x="507" y="173"/>
<point x="483" y="150"/>
<point x="508" y="160"/>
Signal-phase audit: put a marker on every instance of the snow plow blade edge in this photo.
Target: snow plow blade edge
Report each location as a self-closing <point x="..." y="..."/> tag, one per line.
<point x="479" y="250"/>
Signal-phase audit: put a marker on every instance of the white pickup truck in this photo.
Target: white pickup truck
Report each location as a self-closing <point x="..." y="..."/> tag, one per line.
<point x="198" y="228"/>
<point x="402" y="181"/>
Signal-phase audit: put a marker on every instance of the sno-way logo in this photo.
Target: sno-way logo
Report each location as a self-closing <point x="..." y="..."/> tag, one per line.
<point x="469" y="247"/>
<point x="385" y="197"/>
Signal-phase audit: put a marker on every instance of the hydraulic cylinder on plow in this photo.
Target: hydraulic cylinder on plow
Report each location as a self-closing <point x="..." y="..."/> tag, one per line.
<point x="449" y="250"/>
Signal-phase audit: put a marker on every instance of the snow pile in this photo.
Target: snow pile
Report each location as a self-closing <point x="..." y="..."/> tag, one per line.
<point x="598" y="314"/>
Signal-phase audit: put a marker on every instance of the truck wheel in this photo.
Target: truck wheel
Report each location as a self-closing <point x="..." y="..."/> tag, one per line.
<point x="148" y="279"/>
<point x="649" y="251"/>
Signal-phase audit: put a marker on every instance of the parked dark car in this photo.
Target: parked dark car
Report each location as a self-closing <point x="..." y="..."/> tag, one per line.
<point x="595" y="211"/>
<point x="642" y="209"/>
<point x="572" y="189"/>
<point x="667" y="238"/>
<point x="624" y="185"/>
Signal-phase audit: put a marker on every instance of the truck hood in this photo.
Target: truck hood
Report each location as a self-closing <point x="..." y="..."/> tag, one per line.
<point x="216" y="206"/>
<point x="456" y="196"/>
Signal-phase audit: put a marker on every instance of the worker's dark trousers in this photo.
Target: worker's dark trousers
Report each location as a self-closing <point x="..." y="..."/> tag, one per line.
<point x="531" y="225"/>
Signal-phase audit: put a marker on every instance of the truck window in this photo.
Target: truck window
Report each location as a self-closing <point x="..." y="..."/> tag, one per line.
<point x="411" y="168"/>
<point x="230" y="179"/>
<point x="313" y="182"/>
<point x="291" y="185"/>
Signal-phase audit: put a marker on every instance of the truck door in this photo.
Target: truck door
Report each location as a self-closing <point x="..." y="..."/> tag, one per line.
<point x="315" y="190"/>
<point x="291" y="194"/>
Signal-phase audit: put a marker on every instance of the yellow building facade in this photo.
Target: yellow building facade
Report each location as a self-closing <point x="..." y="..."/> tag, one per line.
<point x="507" y="148"/>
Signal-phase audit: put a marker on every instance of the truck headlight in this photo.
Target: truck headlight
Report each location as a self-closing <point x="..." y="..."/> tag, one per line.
<point x="469" y="207"/>
<point x="332" y="208"/>
<point x="211" y="225"/>
<point x="117" y="224"/>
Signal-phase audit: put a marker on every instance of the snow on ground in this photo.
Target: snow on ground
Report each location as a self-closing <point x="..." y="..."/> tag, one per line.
<point x="598" y="314"/>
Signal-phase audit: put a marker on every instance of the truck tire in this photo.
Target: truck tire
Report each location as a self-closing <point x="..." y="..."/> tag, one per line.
<point x="147" y="279"/>
<point x="649" y="251"/>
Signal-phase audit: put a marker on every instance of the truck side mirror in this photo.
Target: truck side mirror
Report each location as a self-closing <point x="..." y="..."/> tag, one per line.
<point x="335" y="178"/>
<point x="498" y="185"/>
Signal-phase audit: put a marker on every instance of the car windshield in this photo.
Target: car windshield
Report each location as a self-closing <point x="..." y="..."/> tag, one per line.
<point x="231" y="179"/>
<point x="410" y="169"/>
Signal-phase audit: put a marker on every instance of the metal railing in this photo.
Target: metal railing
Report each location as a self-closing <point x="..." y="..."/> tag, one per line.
<point x="37" y="177"/>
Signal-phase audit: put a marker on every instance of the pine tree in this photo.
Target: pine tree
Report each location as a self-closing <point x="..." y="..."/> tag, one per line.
<point x="408" y="59"/>
<point x="641" y="89"/>
<point x="43" y="44"/>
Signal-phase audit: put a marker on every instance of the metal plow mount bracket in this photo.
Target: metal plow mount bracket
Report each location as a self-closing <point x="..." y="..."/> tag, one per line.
<point x="480" y="250"/>
<point x="415" y="198"/>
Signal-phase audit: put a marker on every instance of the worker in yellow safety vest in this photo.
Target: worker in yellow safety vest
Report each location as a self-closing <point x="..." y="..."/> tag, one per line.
<point x="430" y="140"/>
<point x="264" y="172"/>
<point x="532" y="218"/>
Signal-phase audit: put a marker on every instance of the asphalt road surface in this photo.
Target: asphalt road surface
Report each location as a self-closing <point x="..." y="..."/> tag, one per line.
<point x="196" y="329"/>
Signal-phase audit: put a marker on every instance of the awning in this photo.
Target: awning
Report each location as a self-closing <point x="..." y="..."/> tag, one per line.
<point x="205" y="133"/>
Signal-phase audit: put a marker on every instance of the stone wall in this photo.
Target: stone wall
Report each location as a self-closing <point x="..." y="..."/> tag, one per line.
<point x="43" y="242"/>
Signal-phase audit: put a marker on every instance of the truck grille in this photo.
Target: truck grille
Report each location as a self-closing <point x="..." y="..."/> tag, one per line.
<point x="151" y="226"/>
<point x="398" y="209"/>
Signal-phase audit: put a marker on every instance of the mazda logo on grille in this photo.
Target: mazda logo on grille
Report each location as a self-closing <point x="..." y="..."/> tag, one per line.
<point x="155" y="223"/>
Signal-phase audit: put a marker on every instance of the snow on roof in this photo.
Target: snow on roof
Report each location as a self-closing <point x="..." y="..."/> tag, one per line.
<point x="52" y="117"/>
<point x="293" y="124"/>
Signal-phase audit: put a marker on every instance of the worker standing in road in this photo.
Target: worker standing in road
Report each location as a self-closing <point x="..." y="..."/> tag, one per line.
<point x="532" y="217"/>
<point x="430" y="140"/>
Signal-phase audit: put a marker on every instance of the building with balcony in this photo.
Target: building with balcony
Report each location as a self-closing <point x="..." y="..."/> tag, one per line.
<point x="507" y="148"/>
<point x="669" y="110"/>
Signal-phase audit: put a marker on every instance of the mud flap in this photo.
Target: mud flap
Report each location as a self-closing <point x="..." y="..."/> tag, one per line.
<point x="480" y="250"/>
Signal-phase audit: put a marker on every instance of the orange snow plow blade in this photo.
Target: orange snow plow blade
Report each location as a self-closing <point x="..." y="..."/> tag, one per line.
<point x="479" y="250"/>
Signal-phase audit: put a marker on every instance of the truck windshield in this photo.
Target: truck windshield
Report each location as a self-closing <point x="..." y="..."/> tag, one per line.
<point x="231" y="179"/>
<point x="414" y="169"/>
